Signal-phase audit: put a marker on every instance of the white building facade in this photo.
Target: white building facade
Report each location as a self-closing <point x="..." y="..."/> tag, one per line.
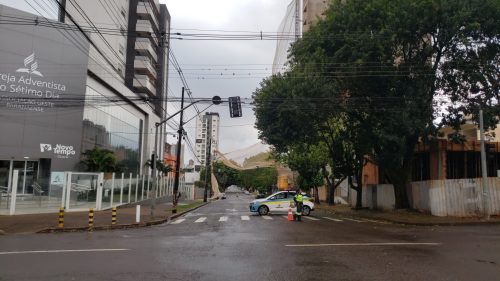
<point x="207" y="136"/>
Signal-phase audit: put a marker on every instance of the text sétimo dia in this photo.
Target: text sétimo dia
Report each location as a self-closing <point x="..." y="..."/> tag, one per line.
<point x="21" y="85"/>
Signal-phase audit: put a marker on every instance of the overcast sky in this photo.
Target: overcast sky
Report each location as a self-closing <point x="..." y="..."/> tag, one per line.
<point x="197" y="57"/>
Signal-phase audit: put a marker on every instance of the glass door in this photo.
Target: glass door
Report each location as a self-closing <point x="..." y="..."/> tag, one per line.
<point x="28" y="174"/>
<point x="4" y="175"/>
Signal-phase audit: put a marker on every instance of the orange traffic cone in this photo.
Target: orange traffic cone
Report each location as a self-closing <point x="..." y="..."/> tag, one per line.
<point x="290" y="214"/>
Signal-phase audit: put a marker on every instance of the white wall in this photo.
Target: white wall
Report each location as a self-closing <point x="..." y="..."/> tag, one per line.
<point x="461" y="198"/>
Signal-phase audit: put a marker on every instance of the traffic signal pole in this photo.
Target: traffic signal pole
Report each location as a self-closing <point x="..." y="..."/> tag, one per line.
<point x="215" y="100"/>
<point x="208" y="158"/>
<point x="484" y="169"/>
<point x="178" y="157"/>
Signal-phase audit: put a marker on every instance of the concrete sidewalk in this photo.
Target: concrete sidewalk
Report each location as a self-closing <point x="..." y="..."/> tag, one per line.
<point x="401" y="216"/>
<point x="72" y="220"/>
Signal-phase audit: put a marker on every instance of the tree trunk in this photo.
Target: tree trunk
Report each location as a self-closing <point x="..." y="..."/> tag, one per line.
<point x="359" y="191"/>
<point x="330" y="188"/>
<point x="331" y="194"/>
<point x="359" y="197"/>
<point x="316" y="195"/>
<point x="401" y="177"/>
<point x="401" y="183"/>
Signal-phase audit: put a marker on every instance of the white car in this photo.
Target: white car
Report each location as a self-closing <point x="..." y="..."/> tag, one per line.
<point x="280" y="202"/>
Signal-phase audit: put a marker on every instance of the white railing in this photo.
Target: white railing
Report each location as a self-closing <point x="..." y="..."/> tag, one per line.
<point x="81" y="191"/>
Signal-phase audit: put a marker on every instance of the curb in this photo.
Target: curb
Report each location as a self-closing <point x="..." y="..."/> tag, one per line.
<point x="471" y="223"/>
<point x="119" y="226"/>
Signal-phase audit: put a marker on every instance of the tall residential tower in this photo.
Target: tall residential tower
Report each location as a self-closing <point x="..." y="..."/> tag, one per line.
<point x="207" y="136"/>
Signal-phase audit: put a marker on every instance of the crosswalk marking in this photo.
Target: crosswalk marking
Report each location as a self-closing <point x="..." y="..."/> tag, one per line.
<point x="311" y="218"/>
<point x="352" y="219"/>
<point x="178" y="221"/>
<point x="247" y="218"/>
<point x="202" y="219"/>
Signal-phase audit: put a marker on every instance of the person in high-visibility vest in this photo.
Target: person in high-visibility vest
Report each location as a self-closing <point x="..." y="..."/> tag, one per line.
<point x="299" y="202"/>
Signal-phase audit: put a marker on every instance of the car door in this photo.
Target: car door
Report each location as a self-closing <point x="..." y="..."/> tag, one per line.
<point x="282" y="201"/>
<point x="290" y="195"/>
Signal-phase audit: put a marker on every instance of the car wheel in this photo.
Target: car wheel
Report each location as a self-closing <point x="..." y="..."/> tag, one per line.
<point x="263" y="210"/>
<point x="306" y="211"/>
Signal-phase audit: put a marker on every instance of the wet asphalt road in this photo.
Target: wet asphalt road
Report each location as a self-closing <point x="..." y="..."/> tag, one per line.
<point x="223" y="245"/>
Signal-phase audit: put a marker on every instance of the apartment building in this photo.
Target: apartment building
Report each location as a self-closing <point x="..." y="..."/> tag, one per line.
<point x="299" y="16"/>
<point x="207" y="136"/>
<point x="313" y="10"/>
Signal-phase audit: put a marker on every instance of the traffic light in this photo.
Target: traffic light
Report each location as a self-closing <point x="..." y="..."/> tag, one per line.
<point x="235" y="107"/>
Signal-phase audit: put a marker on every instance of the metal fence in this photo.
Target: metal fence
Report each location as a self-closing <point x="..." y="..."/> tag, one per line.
<point x="81" y="191"/>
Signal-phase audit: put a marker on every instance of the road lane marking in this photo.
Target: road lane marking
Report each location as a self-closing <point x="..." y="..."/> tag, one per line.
<point x="364" y="244"/>
<point x="178" y="221"/>
<point x="286" y="217"/>
<point x="202" y="219"/>
<point x="267" y="217"/>
<point x="223" y="219"/>
<point x="375" y="221"/>
<point x="311" y="218"/>
<point x="352" y="219"/>
<point x="62" y="251"/>
<point x="245" y="218"/>
<point x="332" y="219"/>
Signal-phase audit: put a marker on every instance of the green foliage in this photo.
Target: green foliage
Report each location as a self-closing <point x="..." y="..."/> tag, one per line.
<point x="100" y="160"/>
<point x="199" y="183"/>
<point x="307" y="160"/>
<point x="260" y="178"/>
<point x="364" y="82"/>
<point x="160" y="166"/>
<point x="225" y="176"/>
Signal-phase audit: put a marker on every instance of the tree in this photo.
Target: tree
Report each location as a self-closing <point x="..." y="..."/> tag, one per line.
<point x="160" y="166"/>
<point x="260" y="178"/>
<point x="307" y="160"/>
<point x="300" y="108"/>
<point x="100" y="160"/>
<point x="376" y="67"/>
<point x="226" y="176"/>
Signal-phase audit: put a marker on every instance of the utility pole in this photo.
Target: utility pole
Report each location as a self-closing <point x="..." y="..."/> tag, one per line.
<point x="215" y="100"/>
<point x="484" y="169"/>
<point x="178" y="159"/>
<point x="208" y="156"/>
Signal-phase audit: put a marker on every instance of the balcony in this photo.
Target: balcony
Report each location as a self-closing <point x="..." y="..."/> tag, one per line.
<point x="145" y="27"/>
<point x="143" y="65"/>
<point x="144" y="45"/>
<point x="144" y="9"/>
<point x="144" y="84"/>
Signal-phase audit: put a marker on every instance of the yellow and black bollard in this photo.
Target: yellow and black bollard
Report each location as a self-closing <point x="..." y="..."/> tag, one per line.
<point x="113" y="216"/>
<point x="91" y="218"/>
<point x="61" y="218"/>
